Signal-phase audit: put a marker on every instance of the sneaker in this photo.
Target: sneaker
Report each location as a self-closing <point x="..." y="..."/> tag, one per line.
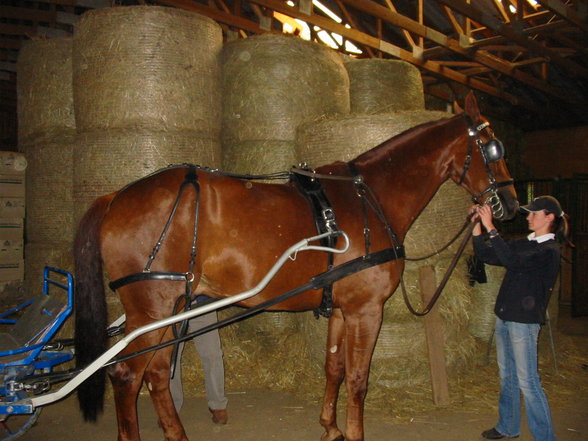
<point x="495" y="434"/>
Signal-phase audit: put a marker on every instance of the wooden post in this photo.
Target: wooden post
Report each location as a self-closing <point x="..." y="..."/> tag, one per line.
<point x="435" y="338"/>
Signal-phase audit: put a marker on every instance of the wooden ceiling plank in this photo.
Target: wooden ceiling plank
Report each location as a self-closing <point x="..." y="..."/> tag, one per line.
<point x="565" y="12"/>
<point x="12" y="29"/>
<point x="539" y="29"/>
<point x="90" y="4"/>
<point x="10" y="43"/>
<point x="500" y="8"/>
<point x="451" y="17"/>
<point x="36" y="15"/>
<point x="406" y="34"/>
<point x="225" y="8"/>
<point x="349" y="18"/>
<point x="518" y="37"/>
<point x="488" y="60"/>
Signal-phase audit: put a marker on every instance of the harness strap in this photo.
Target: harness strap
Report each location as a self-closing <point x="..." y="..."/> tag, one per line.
<point x="325" y="221"/>
<point x="151" y="275"/>
<point x="190" y="179"/>
<point x="319" y="281"/>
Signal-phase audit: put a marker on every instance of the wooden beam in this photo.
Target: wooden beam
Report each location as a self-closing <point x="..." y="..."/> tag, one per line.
<point x="352" y="22"/>
<point x="10" y="43"/>
<point x="36" y="15"/>
<point x="516" y="36"/>
<point x="215" y="14"/>
<point x="486" y="59"/>
<point x="565" y="12"/>
<point x="434" y="339"/>
<point x="406" y="34"/>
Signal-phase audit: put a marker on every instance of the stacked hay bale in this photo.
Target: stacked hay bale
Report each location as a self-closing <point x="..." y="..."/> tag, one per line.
<point x="271" y="84"/>
<point x="147" y="94"/>
<point x="46" y="136"/>
<point x="400" y="358"/>
<point x="384" y="86"/>
<point x="146" y="84"/>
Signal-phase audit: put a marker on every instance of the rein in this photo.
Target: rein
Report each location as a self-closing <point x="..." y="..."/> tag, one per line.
<point x="452" y="265"/>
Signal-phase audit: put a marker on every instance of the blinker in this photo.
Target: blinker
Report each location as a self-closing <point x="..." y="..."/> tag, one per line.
<point x="493" y="150"/>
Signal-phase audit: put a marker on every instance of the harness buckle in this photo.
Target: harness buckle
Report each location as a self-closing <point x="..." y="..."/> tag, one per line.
<point x="329" y="218"/>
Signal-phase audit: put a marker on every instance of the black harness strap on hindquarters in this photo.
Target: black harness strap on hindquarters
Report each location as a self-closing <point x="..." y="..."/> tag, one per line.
<point x="191" y="179"/>
<point x="317" y="282"/>
<point x="324" y="218"/>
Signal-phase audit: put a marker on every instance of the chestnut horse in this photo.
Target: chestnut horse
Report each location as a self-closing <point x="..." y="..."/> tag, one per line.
<point x="242" y="227"/>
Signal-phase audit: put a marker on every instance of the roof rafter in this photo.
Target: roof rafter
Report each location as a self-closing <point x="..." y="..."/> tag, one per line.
<point x="513" y="34"/>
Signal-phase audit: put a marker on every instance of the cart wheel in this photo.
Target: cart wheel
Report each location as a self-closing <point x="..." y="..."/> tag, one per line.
<point x="14" y="426"/>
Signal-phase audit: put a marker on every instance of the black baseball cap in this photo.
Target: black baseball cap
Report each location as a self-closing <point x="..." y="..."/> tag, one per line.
<point x="548" y="203"/>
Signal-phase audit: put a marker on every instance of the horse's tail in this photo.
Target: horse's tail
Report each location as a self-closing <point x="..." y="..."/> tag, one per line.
<point x="90" y="307"/>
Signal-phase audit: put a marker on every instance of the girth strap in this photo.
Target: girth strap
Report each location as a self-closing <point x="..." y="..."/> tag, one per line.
<point x="324" y="218"/>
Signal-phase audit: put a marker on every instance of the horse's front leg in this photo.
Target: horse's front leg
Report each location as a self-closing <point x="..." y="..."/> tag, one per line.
<point x="335" y="372"/>
<point x="157" y="381"/>
<point x="361" y="333"/>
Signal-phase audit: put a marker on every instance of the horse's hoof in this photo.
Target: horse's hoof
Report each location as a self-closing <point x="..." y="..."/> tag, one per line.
<point x="339" y="438"/>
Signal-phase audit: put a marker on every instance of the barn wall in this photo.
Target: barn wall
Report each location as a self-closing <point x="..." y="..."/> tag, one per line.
<point x="556" y="153"/>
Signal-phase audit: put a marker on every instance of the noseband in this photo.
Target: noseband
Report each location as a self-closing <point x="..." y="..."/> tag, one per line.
<point x="491" y="151"/>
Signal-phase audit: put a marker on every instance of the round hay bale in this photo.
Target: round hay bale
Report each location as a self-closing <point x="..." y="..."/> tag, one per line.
<point x="259" y="157"/>
<point x="49" y="199"/>
<point x="272" y="83"/>
<point x="344" y="138"/>
<point x="483" y="300"/>
<point x="439" y="222"/>
<point x="383" y="86"/>
<point x="44" y="90"/>
<point x="147" y="67"/>
<point x="105" y="161"/>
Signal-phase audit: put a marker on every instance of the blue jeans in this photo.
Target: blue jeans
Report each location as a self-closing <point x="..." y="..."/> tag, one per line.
<point x="516" y="352"/>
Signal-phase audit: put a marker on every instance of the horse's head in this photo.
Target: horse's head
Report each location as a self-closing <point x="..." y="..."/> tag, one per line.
<point x="481" y="167"/>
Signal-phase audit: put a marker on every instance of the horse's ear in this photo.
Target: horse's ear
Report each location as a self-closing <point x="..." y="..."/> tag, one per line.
<point x="471" y="106"/>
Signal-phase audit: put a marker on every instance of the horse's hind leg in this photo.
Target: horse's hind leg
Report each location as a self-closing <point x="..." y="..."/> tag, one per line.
<point x="335" y="372"/>
<point x="127" y="378"/>
<point x="157" y="380"/>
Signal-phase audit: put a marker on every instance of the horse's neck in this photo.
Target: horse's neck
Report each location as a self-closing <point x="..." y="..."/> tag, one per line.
<point x="406" y="172"/>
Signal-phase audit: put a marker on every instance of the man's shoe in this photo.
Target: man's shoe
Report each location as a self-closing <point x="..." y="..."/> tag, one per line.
<point x="495" y="434"/>
<point x="219" y="416"/>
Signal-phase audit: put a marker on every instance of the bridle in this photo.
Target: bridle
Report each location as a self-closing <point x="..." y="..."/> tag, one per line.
<point x="491" y="151"/>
